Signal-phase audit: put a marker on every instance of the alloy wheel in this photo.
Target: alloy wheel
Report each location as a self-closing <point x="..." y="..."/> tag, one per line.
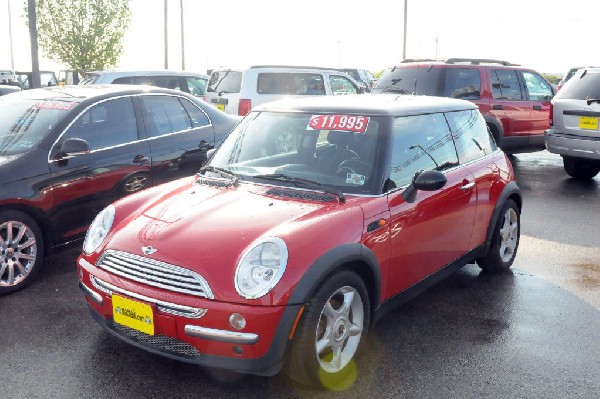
<point x="18" y="252"/>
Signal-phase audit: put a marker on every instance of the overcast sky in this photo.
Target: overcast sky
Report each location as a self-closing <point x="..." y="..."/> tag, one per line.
<point x="547" y="35"/>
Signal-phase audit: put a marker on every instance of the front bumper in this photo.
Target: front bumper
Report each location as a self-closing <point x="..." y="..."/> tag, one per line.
<point x="195" y="334"/>
<point x="572" y="146"/>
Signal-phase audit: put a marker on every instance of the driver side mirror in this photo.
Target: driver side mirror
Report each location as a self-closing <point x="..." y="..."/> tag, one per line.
<point x="429" y="180"/>
<point x="72" y="147"/>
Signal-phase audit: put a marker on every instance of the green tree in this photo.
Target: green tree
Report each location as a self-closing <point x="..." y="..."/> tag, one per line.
<point x="82" y="34"/>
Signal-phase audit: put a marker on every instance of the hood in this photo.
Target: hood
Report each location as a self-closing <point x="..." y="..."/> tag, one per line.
<point x="206" y="229"/>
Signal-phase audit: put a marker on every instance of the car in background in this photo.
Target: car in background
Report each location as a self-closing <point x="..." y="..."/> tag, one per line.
<point x="7" y="89"/>
<point x="69" y="77"/>
<point x="283" y="256"/>
<point x="67" y="152"/>
<point x="574" y="131"/>
<point x="515" y="101"/>
<point x="570" y="74"/>
<point x="363" y="76"/>
<point x="236" y="91"/>
<point x="47" y="79"/>
<point x="187" y="82"/>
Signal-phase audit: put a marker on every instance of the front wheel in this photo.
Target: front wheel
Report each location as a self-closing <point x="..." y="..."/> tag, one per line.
<point x="505" y="240"/>
<point x="330" y="333"/>
<point x="21" y="250"/>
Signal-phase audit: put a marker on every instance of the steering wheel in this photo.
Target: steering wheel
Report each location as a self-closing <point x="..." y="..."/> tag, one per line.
<point x="355" y="167"/>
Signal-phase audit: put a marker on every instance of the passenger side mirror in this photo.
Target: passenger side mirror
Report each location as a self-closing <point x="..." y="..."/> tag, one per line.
<point x="429" y="180"/>
<point x="72" y="147"/>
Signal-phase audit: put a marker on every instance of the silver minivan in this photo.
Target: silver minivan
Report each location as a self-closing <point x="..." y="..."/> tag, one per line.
<point x="574" y="131"/>
<point x="236" y="91"/>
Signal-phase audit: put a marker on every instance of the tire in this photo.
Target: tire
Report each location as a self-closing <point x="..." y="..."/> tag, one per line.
<point x="505" y="240"/>
<point x="580" y="169"/>
<point x="330" y="333"/>
<point x="21" y="250"/>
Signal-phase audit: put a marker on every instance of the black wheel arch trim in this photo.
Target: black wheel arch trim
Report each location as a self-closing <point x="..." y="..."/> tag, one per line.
<point x="510" y="190"/>
<point x="490" y="120"/>
<point x="334" y="259"/>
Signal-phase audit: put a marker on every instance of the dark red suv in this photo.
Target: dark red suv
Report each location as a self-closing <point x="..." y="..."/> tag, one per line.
<point x="311" y="220"/>
<point x="514" y="101"/>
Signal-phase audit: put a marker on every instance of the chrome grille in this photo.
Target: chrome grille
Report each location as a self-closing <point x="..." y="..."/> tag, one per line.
<point x="154" y="273"/>
<point x="159" y="341"/>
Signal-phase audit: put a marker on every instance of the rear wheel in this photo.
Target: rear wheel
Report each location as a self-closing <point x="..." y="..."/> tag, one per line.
<point x="21" y="250"/>
<point x="580" y="169"/>
<point x="330" y="332"/>
<point x="505" y="240"/>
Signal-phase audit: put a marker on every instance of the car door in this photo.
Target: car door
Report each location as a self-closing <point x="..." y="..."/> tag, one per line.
<point x="435" y="229"/>
<point x="477" y="151"/>
<point x="510" y="104"/>
<point x="539" y="93"/>
<point x="117" y="164"/>
<point x="179" y="134"/>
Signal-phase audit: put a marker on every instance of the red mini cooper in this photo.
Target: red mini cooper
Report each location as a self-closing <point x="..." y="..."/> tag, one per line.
<point x="311" y="220"/>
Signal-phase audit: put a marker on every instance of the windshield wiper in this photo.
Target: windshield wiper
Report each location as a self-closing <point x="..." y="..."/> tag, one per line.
<point x="590" y="100"/>
<point x="392" y="90"/>
<point x="306" y="183"/>
<point x="222" y="172"/>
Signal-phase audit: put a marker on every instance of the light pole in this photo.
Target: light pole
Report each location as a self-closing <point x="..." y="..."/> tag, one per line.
<point x="339" y="54"/>
<point x="405" y="19"/>
<point x="12" y="58"/>
<point x="182" y="38"/>
<point x="166" y="39"/>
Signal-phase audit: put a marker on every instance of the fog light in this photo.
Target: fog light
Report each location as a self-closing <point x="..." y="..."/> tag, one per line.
<point x="237" y="321"/>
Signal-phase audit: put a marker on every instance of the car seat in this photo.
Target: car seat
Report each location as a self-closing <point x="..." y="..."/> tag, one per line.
<point x="339" y="152"/>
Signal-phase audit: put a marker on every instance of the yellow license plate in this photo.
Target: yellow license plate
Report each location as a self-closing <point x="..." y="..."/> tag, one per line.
<point x="588" y="122"/>
<point x="133" y="314"/>
<point x="220" y="106"/>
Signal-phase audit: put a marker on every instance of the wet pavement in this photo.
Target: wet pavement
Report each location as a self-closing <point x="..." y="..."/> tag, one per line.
<point x="533" y="332"/>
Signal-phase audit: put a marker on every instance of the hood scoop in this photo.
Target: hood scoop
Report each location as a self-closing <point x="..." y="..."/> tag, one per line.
<point x="298" y="194"/>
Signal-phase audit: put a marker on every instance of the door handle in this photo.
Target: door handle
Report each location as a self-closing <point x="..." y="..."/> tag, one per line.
<point x="537" y="107"/>
<point x="497" y="106"/>
<point x="468" y="186"/>
<point x="140" y="159"/>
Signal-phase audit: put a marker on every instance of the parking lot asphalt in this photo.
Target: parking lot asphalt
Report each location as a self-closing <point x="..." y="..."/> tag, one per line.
<point x="532" y="332"/>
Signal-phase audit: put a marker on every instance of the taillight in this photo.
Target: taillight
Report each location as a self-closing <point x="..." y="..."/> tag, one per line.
<point x="551" y="115"/>
<point x="244" y="106"/>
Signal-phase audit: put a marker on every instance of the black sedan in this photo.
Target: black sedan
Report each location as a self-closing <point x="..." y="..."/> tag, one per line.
<point x="67" y="152"/>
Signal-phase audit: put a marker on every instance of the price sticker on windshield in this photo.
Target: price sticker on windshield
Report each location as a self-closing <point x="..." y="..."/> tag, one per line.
<point x="346" y="123"/>
<point x="57" y="105"/>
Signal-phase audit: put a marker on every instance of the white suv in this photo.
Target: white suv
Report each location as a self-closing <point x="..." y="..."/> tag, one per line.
<point x="188" y="82"/>
<point x="574" y="124"/>
<point x="236" y="91"/>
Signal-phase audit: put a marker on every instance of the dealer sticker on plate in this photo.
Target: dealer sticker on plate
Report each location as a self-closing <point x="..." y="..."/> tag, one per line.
<point x="588" y="122"/>
<point x="133" y="314"/>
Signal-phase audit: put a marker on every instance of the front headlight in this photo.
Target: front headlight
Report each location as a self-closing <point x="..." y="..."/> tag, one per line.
<point x="261" y="267"/>
<point x="98" y="230"/>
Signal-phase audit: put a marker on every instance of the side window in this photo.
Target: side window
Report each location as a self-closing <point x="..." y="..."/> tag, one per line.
<point x="462" y="83"/>
<point x="420" y="142"/>
<point x="290" y="83"/>
<point x="341" y="85"/>
<point x="124" y="81"/>
<point x="537" y="87"/>
<point x="471" y="135"/>
<point x="164" y="115"/>
<point x="196" y="86"/>
<point x="505" y="85"/>
<point x="106" y="124"/>
<point x="167" y="82"/>
<point x="198" y="117"/>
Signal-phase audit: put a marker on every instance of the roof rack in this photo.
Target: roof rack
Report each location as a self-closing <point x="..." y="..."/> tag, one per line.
<point x="473" y="61"/>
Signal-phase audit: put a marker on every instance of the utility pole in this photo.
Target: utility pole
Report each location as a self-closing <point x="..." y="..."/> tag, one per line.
<point x="182" y="38"/>
<point x="35" y="81"/>
<point x="12" y="57"/>
<point x="166" y="40"/>
<point x="405" y="19"/>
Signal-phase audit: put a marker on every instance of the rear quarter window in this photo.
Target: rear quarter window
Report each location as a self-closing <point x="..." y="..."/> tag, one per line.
<point x="290" y="83"/>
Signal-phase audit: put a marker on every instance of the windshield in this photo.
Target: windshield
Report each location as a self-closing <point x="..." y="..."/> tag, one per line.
<point x="24" y="123"/>
<point x="422" y="80"/>
<point x="305" y="146"/>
